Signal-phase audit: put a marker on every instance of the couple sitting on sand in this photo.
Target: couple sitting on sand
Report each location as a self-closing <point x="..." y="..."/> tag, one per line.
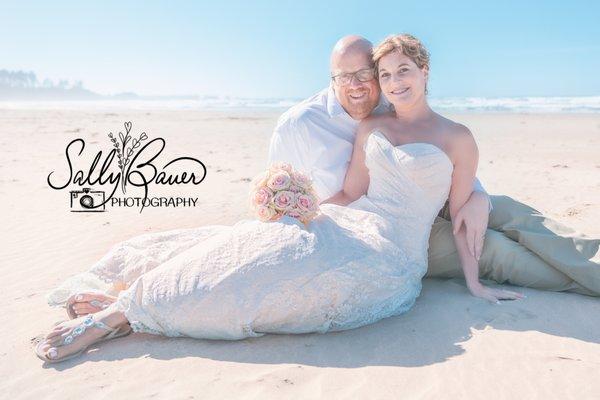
<point x="384" y="165"/>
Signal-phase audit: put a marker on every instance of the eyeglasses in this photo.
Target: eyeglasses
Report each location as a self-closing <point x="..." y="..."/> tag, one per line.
<point x="363" y="75"/>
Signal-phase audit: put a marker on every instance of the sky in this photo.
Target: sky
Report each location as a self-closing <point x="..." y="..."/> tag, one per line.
<point x="263" y="49"/>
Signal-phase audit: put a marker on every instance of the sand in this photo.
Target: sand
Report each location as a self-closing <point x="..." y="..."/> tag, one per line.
<point x="450" y="345"/>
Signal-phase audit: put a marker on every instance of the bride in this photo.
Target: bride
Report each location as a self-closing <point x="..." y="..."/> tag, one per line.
<point x="360" y="260"/>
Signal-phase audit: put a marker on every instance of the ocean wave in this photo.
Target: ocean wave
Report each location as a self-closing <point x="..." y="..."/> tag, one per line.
<point x="583" y="104"/>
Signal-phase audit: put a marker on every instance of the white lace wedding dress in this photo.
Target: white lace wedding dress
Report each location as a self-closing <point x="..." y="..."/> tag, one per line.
<point x="350" y="267"/>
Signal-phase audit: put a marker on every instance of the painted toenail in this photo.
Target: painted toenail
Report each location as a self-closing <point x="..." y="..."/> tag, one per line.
<point x="52" y="353"/>
<point x="79" y="297"/>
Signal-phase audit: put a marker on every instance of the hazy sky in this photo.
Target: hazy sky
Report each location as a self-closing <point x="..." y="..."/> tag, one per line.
<point x="259" y="49"/>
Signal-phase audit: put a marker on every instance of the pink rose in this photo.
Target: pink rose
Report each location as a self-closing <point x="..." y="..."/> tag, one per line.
<point x="301" y="180"/>
<point x="260" y="179"/>
<point x="265" y="213"/>
<point x="294" y="188"/>
<point x="281" y="190"/>
<point x="279" y="181"/>
<point x="284" y="200"/>
<point x="262" y="196"/>
<point x="306" y="203"/>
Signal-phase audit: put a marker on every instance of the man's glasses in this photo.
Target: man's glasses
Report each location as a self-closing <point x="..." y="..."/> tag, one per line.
<point x="363" y="75"/>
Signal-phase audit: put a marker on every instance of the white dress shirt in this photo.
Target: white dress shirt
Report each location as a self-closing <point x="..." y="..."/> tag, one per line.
<point x="316" y="137"/>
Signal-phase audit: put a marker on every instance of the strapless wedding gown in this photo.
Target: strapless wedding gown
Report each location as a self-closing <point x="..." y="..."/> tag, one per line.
<point x="350" y="267"/>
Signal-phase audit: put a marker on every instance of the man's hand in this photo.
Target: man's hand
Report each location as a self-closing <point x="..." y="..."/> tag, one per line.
<point x="494" y="295"/>
<point x="474" y="214"/>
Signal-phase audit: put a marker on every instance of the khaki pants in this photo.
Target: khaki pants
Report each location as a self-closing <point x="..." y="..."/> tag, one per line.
<point x="524" y="248"/>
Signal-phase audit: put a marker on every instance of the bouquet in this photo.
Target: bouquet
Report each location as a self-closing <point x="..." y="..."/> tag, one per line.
<point x="280" y="191"/>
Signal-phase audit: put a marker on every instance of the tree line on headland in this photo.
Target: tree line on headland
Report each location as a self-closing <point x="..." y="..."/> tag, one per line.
<point x="24" y="85"/>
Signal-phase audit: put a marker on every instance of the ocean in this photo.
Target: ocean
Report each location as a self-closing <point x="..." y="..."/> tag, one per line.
<point x="583" y="104"/>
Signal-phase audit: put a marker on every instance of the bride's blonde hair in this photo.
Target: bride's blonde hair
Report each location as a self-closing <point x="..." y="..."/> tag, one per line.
<point x="406" y="44"/>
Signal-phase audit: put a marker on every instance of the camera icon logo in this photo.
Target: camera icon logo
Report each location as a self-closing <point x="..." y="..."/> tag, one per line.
<point x="87" y="200"/>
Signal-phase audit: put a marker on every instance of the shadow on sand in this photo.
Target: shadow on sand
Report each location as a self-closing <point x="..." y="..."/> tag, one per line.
<point x="431" y="332"/>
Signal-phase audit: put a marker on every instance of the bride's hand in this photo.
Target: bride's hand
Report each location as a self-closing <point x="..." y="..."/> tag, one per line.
<point x="494" y="295"/>
<point x="474" y="214"/>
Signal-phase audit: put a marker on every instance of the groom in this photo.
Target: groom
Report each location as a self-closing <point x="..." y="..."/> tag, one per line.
<point x="522" y="247"/>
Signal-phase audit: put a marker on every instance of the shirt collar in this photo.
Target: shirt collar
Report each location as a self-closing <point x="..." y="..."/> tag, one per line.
<point x="335" y="108"/>
<point x="333" y="105"/>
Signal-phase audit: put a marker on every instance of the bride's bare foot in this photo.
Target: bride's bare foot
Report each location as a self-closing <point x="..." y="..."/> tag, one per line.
<point x="81" y="304"/>
<point x="70" y="338"/>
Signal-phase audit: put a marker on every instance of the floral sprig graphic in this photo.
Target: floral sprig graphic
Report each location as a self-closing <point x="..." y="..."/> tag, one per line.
<point x="124" y="153"/>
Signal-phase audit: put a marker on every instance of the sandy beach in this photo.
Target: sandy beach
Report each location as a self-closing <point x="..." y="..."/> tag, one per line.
<point x="450" y="345"/>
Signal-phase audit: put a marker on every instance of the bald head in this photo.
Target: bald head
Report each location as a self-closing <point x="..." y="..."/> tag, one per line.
<point x="352" y="73"/>
<point x="351" y="46"/>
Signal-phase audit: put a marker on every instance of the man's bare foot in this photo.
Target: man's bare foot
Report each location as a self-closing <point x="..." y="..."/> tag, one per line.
<point x="85" y="303"/>
<point x="70" y="337"/>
